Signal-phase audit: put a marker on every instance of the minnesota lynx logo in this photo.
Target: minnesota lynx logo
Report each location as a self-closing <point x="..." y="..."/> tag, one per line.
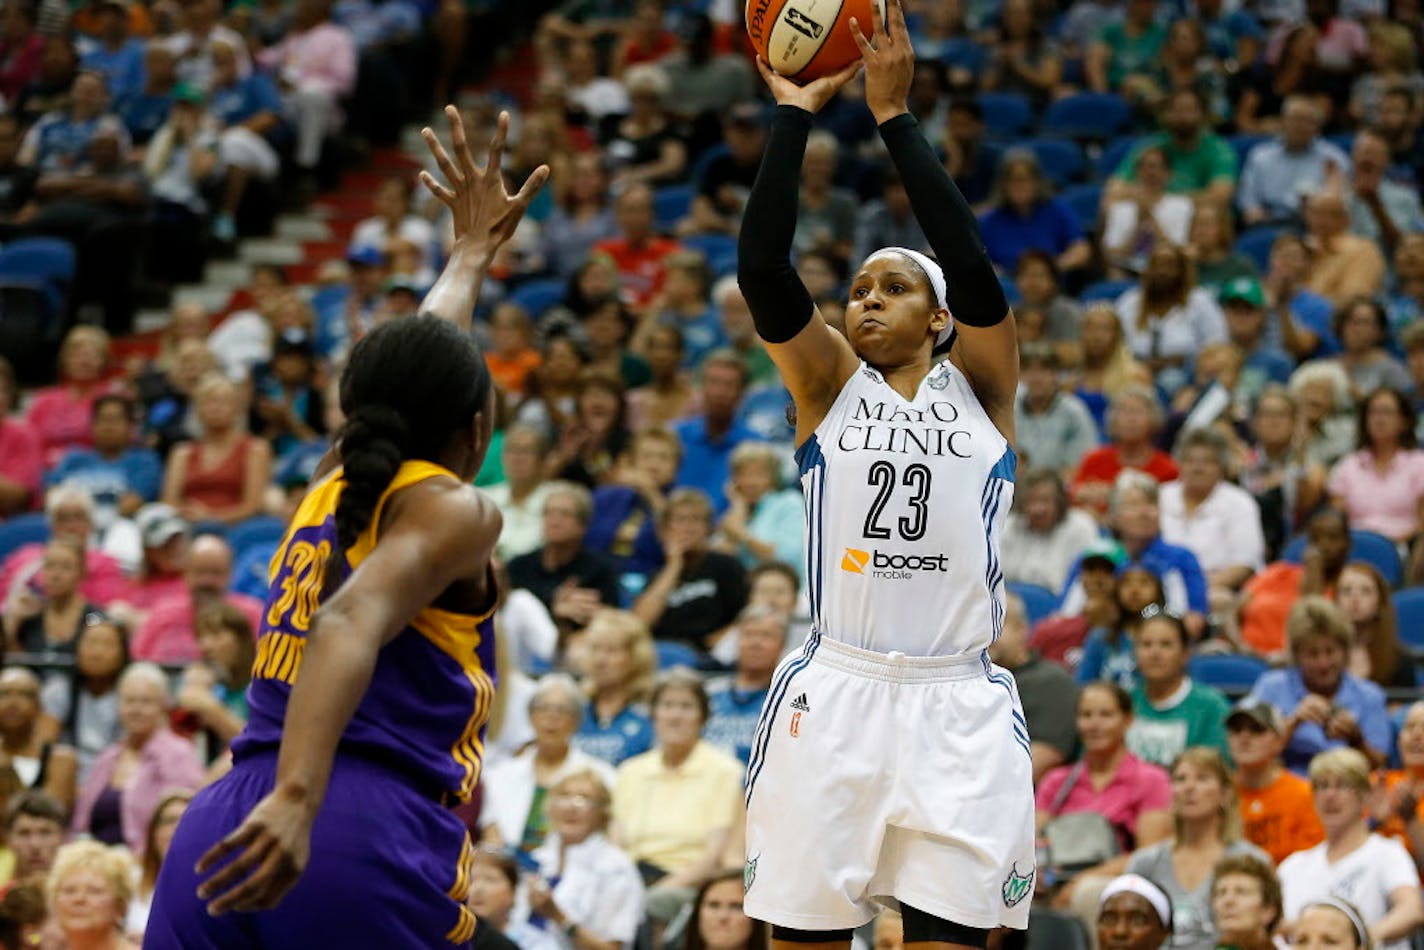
<point x="749" y="873"/>
<point x="1017" y="886"/>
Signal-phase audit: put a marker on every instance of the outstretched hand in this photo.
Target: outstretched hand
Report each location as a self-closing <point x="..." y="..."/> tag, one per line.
<point x="485" y="213"/>
<point x="814" y="95"/>
<point x="889" y="59"/>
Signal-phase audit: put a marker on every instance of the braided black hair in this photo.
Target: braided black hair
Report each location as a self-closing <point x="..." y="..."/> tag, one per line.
<point x="410" y="385"/>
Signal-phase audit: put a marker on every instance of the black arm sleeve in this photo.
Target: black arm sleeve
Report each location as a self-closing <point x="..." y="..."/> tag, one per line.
<point x="780" y="304"/>
<point x="975" y="296"/>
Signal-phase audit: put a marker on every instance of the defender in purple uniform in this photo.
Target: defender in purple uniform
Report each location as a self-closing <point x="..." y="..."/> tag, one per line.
<point x="333" y="828"/>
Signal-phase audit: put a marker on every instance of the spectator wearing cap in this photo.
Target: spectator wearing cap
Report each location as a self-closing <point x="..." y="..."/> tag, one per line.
<point x="248" y="109"/>
<point x="1375" y="874"/>
<point x="289" y="407"/>
<point x="346" y="316"/>
<point x="1055" y="429"/>
<point x="165" y="536"/>
<point x="1278" y="173"/>
<point x="1024" y="215"/>
<point x="1203" y="164"/>
<point x="1048" y="692"/>
<point x="1401" y="813"/>
<point x="1342" y="265"/>
<point x="639" y="254"/>
<point x="220" y="475"/>
<point x="119" y="474"/>
<point x="1324" y="705"/>
<point x="710" y="437"/>
<point x="21" y="456"/>
<point x="1243" y="303"/>
<point x="182" y="162"/>
<point x="1045" y="535"/>
<point x="166" y="634"/>
<point x="737" y="697"/>
<point x="116" y="54"/>
<point x="403" y="298"/>
<point x="1277" y="814"/>
<point x="69" y="512"/>
<point x="1217" y="521"/>
<point x="315" y="64"/>
<point x="726" y="176"/>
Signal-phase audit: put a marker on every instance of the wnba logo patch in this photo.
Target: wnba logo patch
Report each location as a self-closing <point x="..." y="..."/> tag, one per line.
<point x="855" y="561"/>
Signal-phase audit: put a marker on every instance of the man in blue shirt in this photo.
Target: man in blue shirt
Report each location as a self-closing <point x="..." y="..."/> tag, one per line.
<point x="709" y="439"/>
<point x="119" y="475"/>
<point x="736" y="698"/>
<point x="1278" y="173"/>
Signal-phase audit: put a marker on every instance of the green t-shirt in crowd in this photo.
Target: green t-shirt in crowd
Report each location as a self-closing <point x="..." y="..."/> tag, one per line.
<point x="1131" y="54"/>
<point x="1195" y="716"/>
<point x="1212" y="159"/>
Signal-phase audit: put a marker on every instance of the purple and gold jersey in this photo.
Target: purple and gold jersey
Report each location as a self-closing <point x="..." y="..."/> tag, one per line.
<point x="424" y="713"/>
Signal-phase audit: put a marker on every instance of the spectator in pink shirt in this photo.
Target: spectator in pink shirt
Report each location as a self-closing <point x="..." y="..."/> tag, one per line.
<point x="165" y="555"/>
<point x="62" y="414"/>
<point x="316" y="68"/>
<point x="1381" y="485"/>
<point x="20" y="461"/>
<point x="70" y="512"/>
<point x="166" y="632"/>
<point x="128" y="779"/>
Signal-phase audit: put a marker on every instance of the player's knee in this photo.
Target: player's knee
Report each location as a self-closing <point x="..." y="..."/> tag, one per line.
<point x="791" y="935"/>
<point x="921" y="927"/>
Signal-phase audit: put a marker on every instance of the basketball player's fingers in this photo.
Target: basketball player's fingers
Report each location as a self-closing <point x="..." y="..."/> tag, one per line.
<point x="461" y="145"/>
<point x="496" y="149"/>
<point x="867" y="50"/>
<point x="532" y="184"/>
<point x="443" y="194"/>
<point x="235" y="870"/>
<point x="877" y="21"/>
<point x="898" y="29"/>
<point x="768" y="75"/>
<point x="263" y="889"/>
<point x="238" y="838"/>
<point x="442" y="158"/>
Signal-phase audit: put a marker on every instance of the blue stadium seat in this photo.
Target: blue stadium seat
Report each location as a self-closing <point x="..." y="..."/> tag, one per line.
<point x="1113" y="153"/>
<point x="1365" y="546"/>
<point x="45" y="265"/>
<point x="676" y="653"/>
<point x="1344" y="141"/>
<point x="1085" y="201"/>
<point x="1226" y="671"/>
<point x="1006" y="114"/>
<point x="1054" y="930"/>
<point x="1409" y="617"/>
<point x="1256" y="244"/>
<point x="1088" y="115"/>
<point x="1063" y="161"/>
<point x="1011" y="289"/>
<point x="671" y="204"/>
<point x="1039" y="602"/>
<point x="704" y="161"/>
<point x="711" y="246"/>
<point x="16" y="532"/>
<point x="261" y="529"/>
<point x="536" y="296"/>
<point x="1106" y="290"/>
<point x="1242" y="144"/>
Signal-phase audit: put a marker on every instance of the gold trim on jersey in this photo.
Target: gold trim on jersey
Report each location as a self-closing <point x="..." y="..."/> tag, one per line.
<point x="459" y="636"/>
<point x="464" y="928"/>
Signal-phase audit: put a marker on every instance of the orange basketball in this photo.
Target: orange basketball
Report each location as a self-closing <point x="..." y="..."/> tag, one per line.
<point x="806" y="39"/>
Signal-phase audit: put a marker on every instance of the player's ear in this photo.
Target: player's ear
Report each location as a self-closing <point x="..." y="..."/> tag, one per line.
<point x="939" y="319"/>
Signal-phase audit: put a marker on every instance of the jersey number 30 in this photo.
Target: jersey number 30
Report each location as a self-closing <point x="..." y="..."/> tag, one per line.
<point x="883" y="478"/>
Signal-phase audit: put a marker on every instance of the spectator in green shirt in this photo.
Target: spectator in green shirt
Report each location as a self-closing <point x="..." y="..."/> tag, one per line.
<point x="1126" y="50"/>
<point x="1202" y="163"/>
<point x="1170" y="712"/>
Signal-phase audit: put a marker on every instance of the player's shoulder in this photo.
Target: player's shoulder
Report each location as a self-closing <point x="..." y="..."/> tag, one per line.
<point x="447" y="505"/>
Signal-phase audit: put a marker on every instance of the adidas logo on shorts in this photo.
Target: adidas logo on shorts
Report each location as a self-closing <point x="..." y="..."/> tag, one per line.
<point x="800" y="703"/>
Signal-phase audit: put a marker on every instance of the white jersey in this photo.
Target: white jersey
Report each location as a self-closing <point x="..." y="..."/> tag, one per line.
<point x="905" y="505"/>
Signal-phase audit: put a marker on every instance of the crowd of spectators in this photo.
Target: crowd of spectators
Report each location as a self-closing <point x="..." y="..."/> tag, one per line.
<point x="1207" y="215"/>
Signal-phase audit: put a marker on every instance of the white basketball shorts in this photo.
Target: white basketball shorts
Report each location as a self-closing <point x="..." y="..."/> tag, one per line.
<point x="879" y="778"/>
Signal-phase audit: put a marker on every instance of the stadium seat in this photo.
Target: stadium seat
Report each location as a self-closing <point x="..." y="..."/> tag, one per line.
<point x="262" y="529"/>
<point x="671" y="204"/>
<point x="1113" y="154"/>
<point x="1225" y="671"/>
<point x="1011" y="289"/>
<point x="35" y="277"/>
<point x="1106" y="290"/>
<point x="1085" y="201"/>
<point x="1063" y="161"/>
<point x="676" y="653"/>
<point x="1039" y="602"/>
<point x="15" y="533"/>
<point x="1366" y="546"/>
<point x="711" y="246"/>
<point x="1006" y="114"/>
<point x="1256" y="244"/>
<point x="1409" y="617"/>
<point x="45" y="264"/>
<point x="1242" y="145"/>
<point x="536" y="296"/>
<point x="1052" y="930"/>
<point x="1088" y="115"/>
<point x="1344" y="141"/>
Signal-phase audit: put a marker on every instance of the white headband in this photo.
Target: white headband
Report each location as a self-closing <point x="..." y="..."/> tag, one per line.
<point x="935" y="273"/>
<point x="1362" y="933"/>
<point x="1142" y="887"/>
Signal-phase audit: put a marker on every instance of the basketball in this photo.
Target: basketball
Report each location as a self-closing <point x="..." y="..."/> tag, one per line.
<point x="806" y="39"/>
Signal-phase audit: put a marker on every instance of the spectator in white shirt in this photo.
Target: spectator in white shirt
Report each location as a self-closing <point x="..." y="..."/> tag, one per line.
<point x="1167" y="318"/>
<point x="393" y="219"/>
<point x="520" y="497"/>
<point x="1152" y="216"/>
<point x="1044" y="537"/>
<point x="1203" y="512"/>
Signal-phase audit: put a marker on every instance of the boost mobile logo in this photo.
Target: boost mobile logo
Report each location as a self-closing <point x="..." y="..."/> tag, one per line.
<point x="894" y="566"/>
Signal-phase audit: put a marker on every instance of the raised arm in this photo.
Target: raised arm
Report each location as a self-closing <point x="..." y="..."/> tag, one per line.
<point x="814" y="360"/>
<point x="485" y="215"/>
<point x="986" y="346"/>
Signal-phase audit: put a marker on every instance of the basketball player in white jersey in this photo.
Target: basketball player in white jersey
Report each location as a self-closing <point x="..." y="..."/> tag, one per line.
<point x="891" y="764"/>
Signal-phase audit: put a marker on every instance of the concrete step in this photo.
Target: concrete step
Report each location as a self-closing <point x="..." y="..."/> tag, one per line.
<point x="212" y="297"/>
<point x="303" y="227"/>
<point x="150" y="319"/>
<point x="228" y="273"/>
<point x="270" y="251"/>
